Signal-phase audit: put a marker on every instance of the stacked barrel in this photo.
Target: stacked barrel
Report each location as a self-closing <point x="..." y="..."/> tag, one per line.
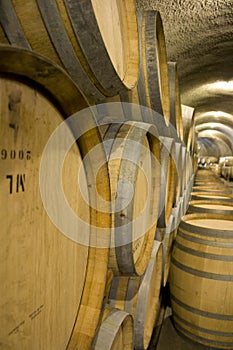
<point x="227" y="168"/>
<point x="97" y="171"/>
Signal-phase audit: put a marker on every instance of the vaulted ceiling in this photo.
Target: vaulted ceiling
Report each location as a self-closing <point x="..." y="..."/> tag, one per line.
<point x="199" y="37"/>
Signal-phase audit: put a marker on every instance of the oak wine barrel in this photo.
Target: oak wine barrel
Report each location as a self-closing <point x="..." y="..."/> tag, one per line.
<point x="214" y="206"/>
<point x="178" y="172"/>
<point x="96" y="44"/>
<point x="133" y="153"/>
<point x="201" y="279"/>
<point x="115" y="331"/>
<point x="167" y="244"/>
<point x="168" y="178"/>
<point x="53" y="277"/>
<point x="175" y="104"/>
<point x="188" y="125"/>
<point x="140" y="296"/>
<point x="154" y="62"/>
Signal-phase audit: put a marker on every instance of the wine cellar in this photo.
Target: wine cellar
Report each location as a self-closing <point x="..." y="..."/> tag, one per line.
<point x="116" y="135"/>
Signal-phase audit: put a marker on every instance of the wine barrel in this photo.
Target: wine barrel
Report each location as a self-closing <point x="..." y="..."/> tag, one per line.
<point x="166" y="235"/>
<point x="228" y="161"/>
<point x="98" y="47"/>
<point x="201" y="279"/>
<point x="44" y="73"/>
<point x="190" y="186"/>
<point x="115" y="331"/>
<point x="140" y="296"/>
<point x="215" y="206"/>
<point x="167" y="248"/>
<point x="185" y="202"/>
<point x="211" y="184"/>
<point x="154" y="62"/>
<point x="227" y="172"/>
<point x="212" y="194"/>
<point x="212" y="189"/>
<point x="187" y="196"/>
<point x="109" y="279"/>
<point x="168" y="172"/>
<point x="134" y="99"/>
<point x="138" y="96"/>
<point x="53" y="277"/>
<point x="188" y="125"/>
<point x="189" y="166"/>
<point x="175" y="104"/>
<point x="207" y="176"/>
<point x="136" y="102"/>
<point x="177" y="213"/>
<point x="178" y="172"/>
<point x="133" y="153"/>
<point x="184" y="169"/>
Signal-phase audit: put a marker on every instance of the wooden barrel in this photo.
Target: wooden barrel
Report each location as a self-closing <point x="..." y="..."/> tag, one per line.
<point x="177" y="213"/>
<point x="154" y="62"/>
<point x="53" y="282"/>
<point x="98" y="48"/>
<point x="187" y="195"/>
<point x="211" y="160"/>
<point x="30" y="66"/>
<point x="227" y="172"/>
<point x="140" y="296"/>
<point x="213" y="206"/>
<point x="189" y="167"/>
<point x="139" y="95"/>
<point x="207" y="184"/>
<point x="175" y="104"/>
<point x="167" y="180"/>
<point x="228" y="161"/>
<point x="167" y="243"/>
<point x="166" y="235"/>
<point x="115" y="331"/>
<point x="136" y="102"/>
<point x="210" y="185"/>
<point x="215" y="189"/>
<point x="212" y="194"/>
<point x="184" y="203"/>
<point x="188" y="125"/>
<point x="184" y="169"/>
<point x="201" y="279"/>
<point x="190" y="187"/>
<point x="133" y="153"/>
<point x="178" y="172"/>
<point x="206" y="175"/>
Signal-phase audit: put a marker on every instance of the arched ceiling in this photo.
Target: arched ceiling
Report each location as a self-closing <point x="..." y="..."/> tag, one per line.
<point x="199" y="37"/>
